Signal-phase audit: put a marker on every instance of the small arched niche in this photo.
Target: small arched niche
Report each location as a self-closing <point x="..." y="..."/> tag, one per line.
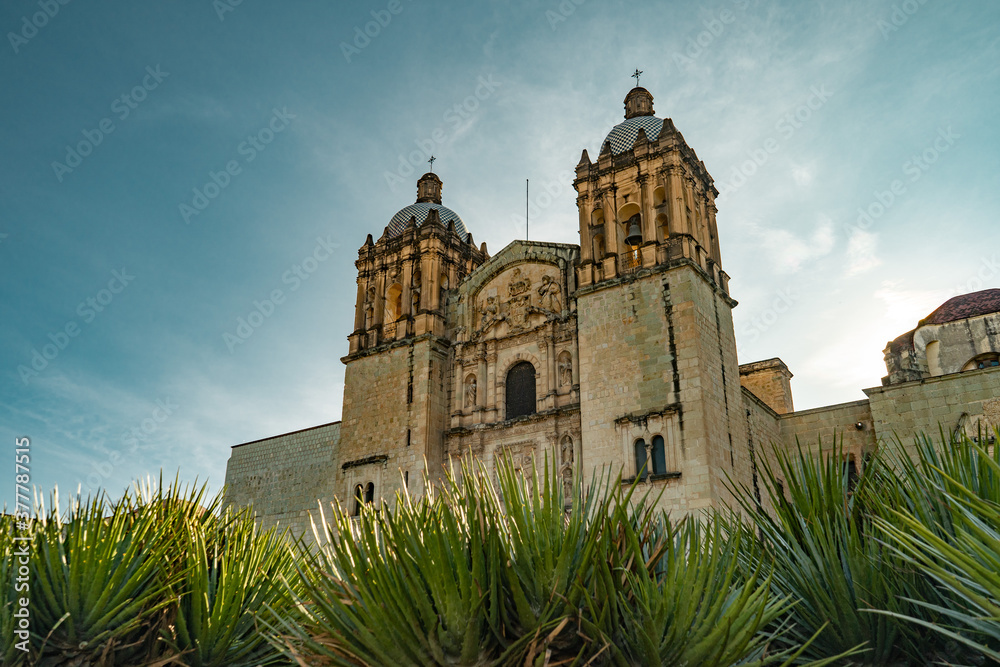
<point x="599" y="249"/>
<point x="394" y="302"/>
<point x="659" y="197"/>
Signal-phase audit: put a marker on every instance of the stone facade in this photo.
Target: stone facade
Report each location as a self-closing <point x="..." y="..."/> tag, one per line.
<point x="618" y="354"/>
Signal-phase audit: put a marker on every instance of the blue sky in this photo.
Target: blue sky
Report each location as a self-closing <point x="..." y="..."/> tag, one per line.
<point x="166" y="165"/>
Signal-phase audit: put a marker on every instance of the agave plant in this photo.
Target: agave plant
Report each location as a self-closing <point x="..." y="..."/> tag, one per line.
<point x="403" y="587"/>
<point x="692" y="608"/>
<point x="552" y="551"/>
<point x="486" y="571"/>
<point x="227" y="580"/>
<point x="98" y="588"/>
<point x="947" y="523"/>
<point x="827" y="561"/>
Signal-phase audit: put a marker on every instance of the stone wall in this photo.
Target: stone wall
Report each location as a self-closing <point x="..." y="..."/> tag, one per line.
<point x="286" y="477"/>
<point x="658" y="347"/>
<point x="961" y="401"/>
<point x="809" y="428"/>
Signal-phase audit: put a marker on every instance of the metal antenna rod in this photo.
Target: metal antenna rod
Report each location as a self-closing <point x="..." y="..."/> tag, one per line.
<point x="525" y="209"/>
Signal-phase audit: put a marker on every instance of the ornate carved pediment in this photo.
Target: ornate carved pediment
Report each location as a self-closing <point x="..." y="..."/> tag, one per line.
<point x="519" y="299"/>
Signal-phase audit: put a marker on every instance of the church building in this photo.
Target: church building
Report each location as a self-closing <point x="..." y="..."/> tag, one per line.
<point x="615" y="354"/>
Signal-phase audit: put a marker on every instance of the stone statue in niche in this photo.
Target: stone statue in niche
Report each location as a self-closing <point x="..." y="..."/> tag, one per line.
<point x="567" y="477"/>
<point x="548" y="294"/>
<point x="470" y="391"/>
<point x="414" y="302"/>
<point x="566" y="469"/>
<point x="565" y="370"/>
<point x="567" y="452"/>
<point x="369" y="307"/>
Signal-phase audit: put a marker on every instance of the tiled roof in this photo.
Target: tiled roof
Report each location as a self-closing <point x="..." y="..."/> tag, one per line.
<point x="965" y="306"/>
<point x="904" y="342"/>
<point x="419" y="211"/>
<point x="623" y="135"/>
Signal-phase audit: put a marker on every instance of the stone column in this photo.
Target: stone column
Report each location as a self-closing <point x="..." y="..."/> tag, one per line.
<point x="459" y="383"/>
<point x="405" y="297"/>
<point x="550" y="354"/>
<point x="379" y="300"/>
<point x="648" y="215"/>
<point x="491" y="369"/>
<point x="586" y="238"/>
<point x="436" y="278"/>
<point x="481" y="393"/>
<point x="359" y="308"/>
<point x="713" y="229"/>
<point x="675" y="195"/>
<point x="611" y="231"/>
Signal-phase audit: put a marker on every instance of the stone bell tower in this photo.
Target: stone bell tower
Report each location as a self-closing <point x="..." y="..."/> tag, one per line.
<point x="395" y="387"/>
<point x="657" y="347"/>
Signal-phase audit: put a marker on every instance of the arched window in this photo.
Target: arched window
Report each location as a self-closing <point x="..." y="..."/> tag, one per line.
<point x="641" y="466"/>
<point x="659" y="457"/>
<point x="988" y="360"/>
<point x="520" y="388"/>
<point x="370" y="493"/>
<point x="359" y="499"/>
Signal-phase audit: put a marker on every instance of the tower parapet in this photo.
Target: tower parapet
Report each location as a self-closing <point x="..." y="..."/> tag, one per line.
<point x="646" y="201"/>
<point x="405" y="277"/>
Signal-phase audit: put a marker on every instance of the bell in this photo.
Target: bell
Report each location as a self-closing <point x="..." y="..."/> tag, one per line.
<point x="634" y="236"/>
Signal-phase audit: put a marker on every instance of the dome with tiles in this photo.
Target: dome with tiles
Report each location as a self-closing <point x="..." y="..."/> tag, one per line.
<point x="428" y="199"/>
<point x="638" y="114"/>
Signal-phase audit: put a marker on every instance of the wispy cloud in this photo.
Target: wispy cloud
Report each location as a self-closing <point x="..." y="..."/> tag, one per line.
<point x="861" y="252"/>
<point x="790" y="252"/>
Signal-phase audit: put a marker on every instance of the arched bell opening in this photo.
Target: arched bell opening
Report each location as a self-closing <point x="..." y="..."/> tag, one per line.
<point x="394" y="302"/>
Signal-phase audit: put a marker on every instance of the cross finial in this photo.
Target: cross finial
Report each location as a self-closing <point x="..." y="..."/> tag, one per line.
<point x="636" y="76"/>
<point x="431" y="161"/>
